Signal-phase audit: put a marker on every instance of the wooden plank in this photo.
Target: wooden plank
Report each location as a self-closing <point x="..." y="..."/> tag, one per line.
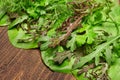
<point x="19" y="64"/>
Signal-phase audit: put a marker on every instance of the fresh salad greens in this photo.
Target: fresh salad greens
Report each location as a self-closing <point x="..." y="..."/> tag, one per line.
<point x="79" y="37"/>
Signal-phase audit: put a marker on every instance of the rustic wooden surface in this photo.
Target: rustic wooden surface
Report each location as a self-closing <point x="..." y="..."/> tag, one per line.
<point x="19" y="64"/>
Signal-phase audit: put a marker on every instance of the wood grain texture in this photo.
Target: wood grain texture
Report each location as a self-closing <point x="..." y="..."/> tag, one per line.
<point x="19" y="64"/>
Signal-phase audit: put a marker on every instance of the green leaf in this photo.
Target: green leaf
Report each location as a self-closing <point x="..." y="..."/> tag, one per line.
<point x="97" y="58"/>
<point x="114" y="70"/>
<point x="45" y="45"/>
<point x="2" y="13"/>
<point x="80" y="40"/>
<point x="92" y="55"/>
<point x="51" y="32"/>
<point x="61" y="56"/>
<point x="97" y="17"/>
<point x="78" y="77"/>
<point x="108" y="55"/>
<point x="90" y="36"/>
<point x="48" y="56"/>
<point x="87" y="37"/>
<point x="17" y="21"/>
<point x="32" y="13"/>
<point x="107" y="27"/>
<point x="43" y="39"/>
<point x="15" y="34"/>
<point x="4" y="21"/>
<point x="116" y="48"/>
<point x="72" y="43"/>
<point x="115" y="14"/>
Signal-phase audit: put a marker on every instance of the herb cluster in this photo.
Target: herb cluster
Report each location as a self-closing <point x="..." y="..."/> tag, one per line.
<point x="81" y="37"/>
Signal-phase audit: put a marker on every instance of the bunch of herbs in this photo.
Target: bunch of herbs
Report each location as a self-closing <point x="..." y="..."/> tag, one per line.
<point x="81" y="37"/>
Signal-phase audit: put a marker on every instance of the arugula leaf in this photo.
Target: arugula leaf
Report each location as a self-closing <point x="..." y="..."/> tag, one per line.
<point x="90" y="56"/>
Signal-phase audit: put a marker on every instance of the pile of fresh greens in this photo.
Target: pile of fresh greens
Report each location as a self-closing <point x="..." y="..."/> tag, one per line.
<point x="80" y="37"/>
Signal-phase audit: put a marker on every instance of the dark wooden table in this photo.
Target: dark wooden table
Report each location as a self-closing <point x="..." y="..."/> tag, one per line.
<point x="20" y="64"/>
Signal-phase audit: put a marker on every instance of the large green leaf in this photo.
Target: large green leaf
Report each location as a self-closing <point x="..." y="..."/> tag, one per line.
<point x="15" y="34"/>
<point x="65" y="67"/>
